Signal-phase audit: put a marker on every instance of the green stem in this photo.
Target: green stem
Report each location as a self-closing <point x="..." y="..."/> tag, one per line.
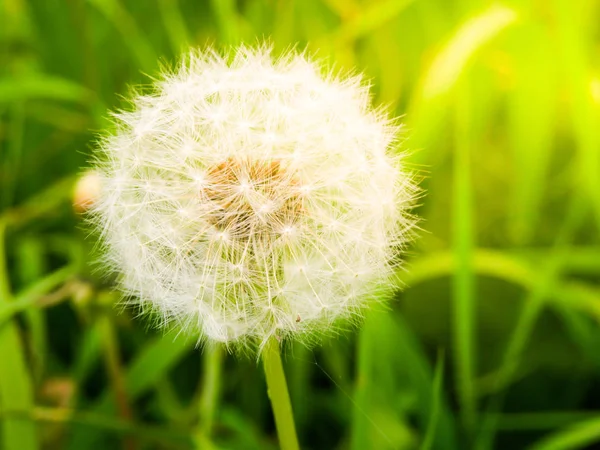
<point x="212" y="359"/>
<point x="279" y="396"/>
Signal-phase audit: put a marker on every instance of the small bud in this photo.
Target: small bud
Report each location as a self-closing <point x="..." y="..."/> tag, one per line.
<point x="86" y="191"/>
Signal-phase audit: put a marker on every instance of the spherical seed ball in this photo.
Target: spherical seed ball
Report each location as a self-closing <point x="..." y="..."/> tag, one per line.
<point x="248" y="196"/>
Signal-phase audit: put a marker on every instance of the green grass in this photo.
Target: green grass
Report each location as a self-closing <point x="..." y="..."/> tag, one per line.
<point x="492" y="344"/>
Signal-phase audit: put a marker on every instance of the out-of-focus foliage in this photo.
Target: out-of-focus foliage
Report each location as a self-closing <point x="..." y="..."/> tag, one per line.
<point x="492" y="344"/>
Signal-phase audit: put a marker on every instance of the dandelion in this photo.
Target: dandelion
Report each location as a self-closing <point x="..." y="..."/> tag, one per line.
<point x="248" y="197"/>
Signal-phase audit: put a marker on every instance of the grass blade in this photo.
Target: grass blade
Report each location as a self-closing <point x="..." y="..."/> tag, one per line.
<point x="531" y="135"/>
<point x="463" y="297"/>
<point x="573" y="437"/>
<point x="16" y="391"/>
<point x="175" y="26"/>
<point x="133" y="37"/>
<point x="42" y="87"/>
<point x="533" y="306"/>
<point x="437" y="390"/>
<point x="429" y="103"/>
<point x="151" y="364"/>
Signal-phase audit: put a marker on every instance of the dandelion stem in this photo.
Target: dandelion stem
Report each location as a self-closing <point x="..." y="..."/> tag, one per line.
<point x="212" y="360"/>
<point x="279" y="396"/>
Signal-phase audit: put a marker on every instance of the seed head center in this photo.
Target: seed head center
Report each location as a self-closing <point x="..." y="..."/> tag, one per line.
<point x="252" y="197"/>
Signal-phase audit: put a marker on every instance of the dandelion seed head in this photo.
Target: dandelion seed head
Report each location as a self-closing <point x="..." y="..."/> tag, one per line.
<point x="249" y="196"/>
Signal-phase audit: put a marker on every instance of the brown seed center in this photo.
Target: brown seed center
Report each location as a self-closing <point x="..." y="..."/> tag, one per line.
<point x="252" y="197"/>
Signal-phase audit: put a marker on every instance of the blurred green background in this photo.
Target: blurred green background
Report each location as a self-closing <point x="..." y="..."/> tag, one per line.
<point x="493" y="344"/>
